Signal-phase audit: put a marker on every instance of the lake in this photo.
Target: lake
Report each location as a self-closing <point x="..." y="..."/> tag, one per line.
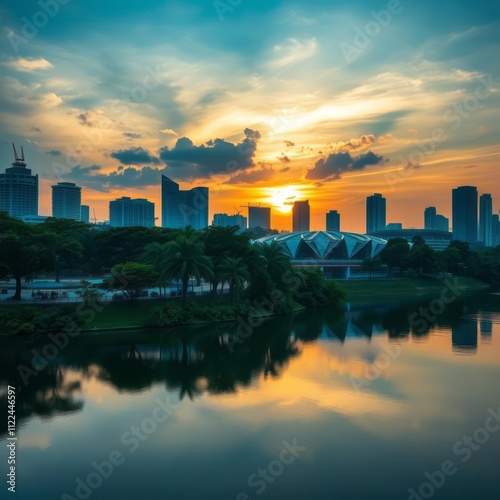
<point x="379" y="400"/>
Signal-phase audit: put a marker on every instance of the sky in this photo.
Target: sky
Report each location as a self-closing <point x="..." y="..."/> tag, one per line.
<point x="262" y="101"/>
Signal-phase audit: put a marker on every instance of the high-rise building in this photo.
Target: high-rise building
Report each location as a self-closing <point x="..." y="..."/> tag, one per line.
<point x="375" y="213"/>
<point x="19" y="189"/>
<point x="485" y="219"/>
<point x="495" y="230"/>
<point x="441" y="223"/>
<point x="66" y="200"/>
<point x="180" y="209"/>
<point x="430" y="218"/>
<point x="464" y="208"/>
<point x="301" y="214"/>
<point x="333" y="221"/>
<point x="85" y="213"/>
<point x="225" y="220"/>
<point x="394" y="226"/>
<point x="126" y="212"/>
<point x="259" y="217"/>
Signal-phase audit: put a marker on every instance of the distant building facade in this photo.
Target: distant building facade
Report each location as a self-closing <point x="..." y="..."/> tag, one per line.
<point x="485" y="219"/>
<point x="375" y="213"/>
<point x="495" y="230"/>
<point x="66" y="200"/>
<point x="259" y="217"/>
<point x="19" y="189"/>
<point x="333" y="221"/>
<point x="126" y="212"/>
<point x="85" y="213"/>
<point x="394" y="226"/>
<point x="301" y="216"/>
<point x="435" y="221"/>
<point x="180" y="209"/>
<point x="225" y="220"/>
<point x="464" y="208"/>
<point x="438" y="240"/>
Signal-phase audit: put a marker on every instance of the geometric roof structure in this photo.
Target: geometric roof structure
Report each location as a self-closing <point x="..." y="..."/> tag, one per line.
<point x="327" y="245"/>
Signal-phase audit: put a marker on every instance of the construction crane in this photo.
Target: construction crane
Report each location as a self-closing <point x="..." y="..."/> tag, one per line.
<point x="94" y="218"/>
<point x="238" y="211"/>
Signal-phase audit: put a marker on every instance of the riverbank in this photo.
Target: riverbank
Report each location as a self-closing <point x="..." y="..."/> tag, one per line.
<point x="405" y="289"/>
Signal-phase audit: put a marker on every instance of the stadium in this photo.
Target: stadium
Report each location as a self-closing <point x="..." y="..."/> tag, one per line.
<point x="338" y="254"/>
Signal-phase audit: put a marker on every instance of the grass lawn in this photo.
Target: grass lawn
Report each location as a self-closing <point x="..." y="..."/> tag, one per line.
<point x="405" y="288"/>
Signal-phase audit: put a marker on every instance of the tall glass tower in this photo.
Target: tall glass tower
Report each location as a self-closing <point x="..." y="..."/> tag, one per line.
<point x="464" y="213"/>
<point x="18" y="189"/>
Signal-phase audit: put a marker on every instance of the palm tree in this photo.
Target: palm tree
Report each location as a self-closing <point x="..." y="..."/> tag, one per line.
<point x="156" y="254"/>
<point x="276" y="261"/>
<point x="185" y="258"/>
<point x="235" y="272"/>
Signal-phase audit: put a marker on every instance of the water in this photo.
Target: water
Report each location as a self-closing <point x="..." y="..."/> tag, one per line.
<point x="322" y="405"/>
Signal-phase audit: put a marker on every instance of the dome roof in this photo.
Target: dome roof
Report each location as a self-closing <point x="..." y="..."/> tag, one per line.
<point x="326" y="245"/>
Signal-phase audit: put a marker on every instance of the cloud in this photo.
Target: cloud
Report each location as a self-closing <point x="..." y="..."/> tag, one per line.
<point x="284" y="159"/>
<point x="338" y="163"/>
<point x="84" y="119"/>
<point x="253" y="176"/>
<point x="289" y="144"/>
<point x="169" y="131"/>
<point x="353" y="144"/>
<point x="217" y="156"/>
<point x="29" y="64"/>
<point x="35" y="129"/>
<point x="134" y="156"/>
<point x="130" y="135"/>
<point x="122" y="177"/>
<point x="54" y="152"/>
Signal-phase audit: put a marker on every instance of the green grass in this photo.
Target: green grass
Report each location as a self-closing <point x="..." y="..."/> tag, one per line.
<point x="402" y="289"/>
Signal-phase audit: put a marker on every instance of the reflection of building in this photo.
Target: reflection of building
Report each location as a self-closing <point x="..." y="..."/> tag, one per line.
<point x="333" y="221"/>
<point x="85" y="213"/>
<point x="301" y="216"/>
<point x="464" y="200"/>
<point x="259" y="217"/>
<point x="438" y="240"/>
<point x="375" y="213"/>
<point x="464" y="336"/>
<point x="485" y="219"/>
<point x="19" y="189"/>
<point x="66" y="200"/>
<point x="180" y="209"/>
<point x="486" y="327"/>
<point x="230" y="220"/>
<point x="125" y="212"/>
<point x="334" y="253"/>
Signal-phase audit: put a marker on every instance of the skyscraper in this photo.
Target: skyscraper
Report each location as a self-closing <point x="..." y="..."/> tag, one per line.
<point x="126" y="212"/>
<point x="430" y="218"/>
<point x="485" y="219"/>
<point x="18" y="189"/>
<point x="333" y="221"/>
<point x="495" y="230"/>
<point x="442" y="223"/>
<point x="259" y="217"/>
<point x="85" y="213"/>
<point x="66" y="200"/>
<point x="464" y="214"/>
<point x="375" y="213"/>
<point x="301" y="216"/>
<point x="180" y="209"/>
<point x="225" y="220"/>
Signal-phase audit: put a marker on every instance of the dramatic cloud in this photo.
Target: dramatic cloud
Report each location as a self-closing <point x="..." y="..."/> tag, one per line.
<point x="252" y="177"/>
<point x="338" y="163"/>
<point x="284" y="159"/>
<point x="134" y="156"/>
<point x="215" y="157"/>
<point x="29" y="64"/>
<point x="129" y="177"/>
<point x="353" y="144"/>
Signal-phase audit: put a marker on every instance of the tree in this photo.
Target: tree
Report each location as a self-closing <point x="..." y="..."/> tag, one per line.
<point x="235" y="272"/>
<point x="396" y="253"/>
<point x="156" y="254"/>
<point x="371" y="265"/>
<point x="275" y="260"/>
<point x="89" y="294"/>
<point x="131" y="278"/>
<point x="185" y="258"/>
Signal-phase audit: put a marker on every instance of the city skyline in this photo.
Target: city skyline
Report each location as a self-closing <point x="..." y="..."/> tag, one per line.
<point x="199" y="102"/>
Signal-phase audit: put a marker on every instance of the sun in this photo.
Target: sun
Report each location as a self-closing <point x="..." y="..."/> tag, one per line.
<point x="282" y="198"/>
